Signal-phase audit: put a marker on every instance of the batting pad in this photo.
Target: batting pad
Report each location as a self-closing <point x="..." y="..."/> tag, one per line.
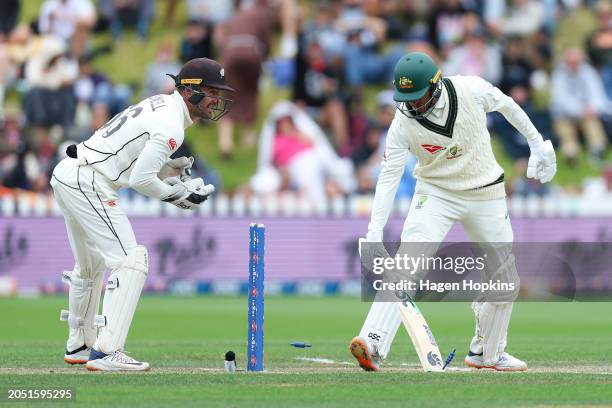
<point x="380" y="326"/>
<point x="123" y="290"/>
<point x="492" y="320"/>
<point x="83" y="304"/>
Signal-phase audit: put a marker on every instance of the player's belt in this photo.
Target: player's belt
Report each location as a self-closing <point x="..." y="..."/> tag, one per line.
<point x="500" y="179"/>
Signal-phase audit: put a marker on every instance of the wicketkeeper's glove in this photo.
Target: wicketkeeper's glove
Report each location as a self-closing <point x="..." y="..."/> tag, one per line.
<point x="542" y="163"/>
<point x="188" y="194"/>
<point x="179" y="167"/>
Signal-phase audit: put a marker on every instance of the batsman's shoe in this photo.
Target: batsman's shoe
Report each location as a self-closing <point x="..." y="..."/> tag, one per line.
<point x="117" y="361"/>
<point x="368" y="360"/>
<point x="506" y="362"/>
<point x="78" y="356"/>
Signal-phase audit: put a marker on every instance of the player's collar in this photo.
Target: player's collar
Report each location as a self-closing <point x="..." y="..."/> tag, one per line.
<point x="447" y="128"/>
<point x="181" y="103"/>
<point x="441" y="103"/>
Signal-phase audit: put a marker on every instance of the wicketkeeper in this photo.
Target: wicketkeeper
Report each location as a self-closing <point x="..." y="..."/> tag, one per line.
<point x="131" y="150"/>
<point x="442" y="121"/>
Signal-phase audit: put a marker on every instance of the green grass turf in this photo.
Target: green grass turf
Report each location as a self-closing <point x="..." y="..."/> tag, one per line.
<point x="567" y="345"/>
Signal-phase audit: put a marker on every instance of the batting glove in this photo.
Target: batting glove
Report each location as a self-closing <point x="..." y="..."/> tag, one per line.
<point x="370" y="249"/>
<point x="542" y="162"/>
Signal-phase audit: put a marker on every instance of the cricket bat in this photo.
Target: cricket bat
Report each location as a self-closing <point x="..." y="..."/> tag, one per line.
<point x="421" y="336"/>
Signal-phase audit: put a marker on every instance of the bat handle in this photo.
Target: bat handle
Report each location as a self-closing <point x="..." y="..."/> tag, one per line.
<point x="449" y="359"/>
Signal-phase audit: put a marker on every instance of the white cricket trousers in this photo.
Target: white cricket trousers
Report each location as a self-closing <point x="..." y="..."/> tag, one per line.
<point x="432" y="213"/>
<point x="100" y="236"/>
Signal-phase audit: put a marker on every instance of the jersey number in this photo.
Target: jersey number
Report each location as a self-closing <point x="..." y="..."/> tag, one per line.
<point x="119" y="119"/>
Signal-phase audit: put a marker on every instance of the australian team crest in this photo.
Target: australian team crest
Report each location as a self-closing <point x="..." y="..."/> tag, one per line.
<point x="454" y="152"/>
<point x="405" y="83"/>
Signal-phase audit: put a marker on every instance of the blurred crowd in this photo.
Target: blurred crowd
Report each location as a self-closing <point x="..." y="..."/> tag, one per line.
<point x="336" y="57"/>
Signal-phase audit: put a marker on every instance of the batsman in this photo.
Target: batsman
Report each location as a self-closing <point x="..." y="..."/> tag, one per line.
<point x="442" y="121"/>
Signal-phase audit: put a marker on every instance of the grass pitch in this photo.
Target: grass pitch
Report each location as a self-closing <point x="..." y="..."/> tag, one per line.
<point x="567" y="346"/>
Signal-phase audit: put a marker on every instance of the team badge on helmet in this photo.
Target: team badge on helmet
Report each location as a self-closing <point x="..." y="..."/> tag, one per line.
<point x="405" y="83"/>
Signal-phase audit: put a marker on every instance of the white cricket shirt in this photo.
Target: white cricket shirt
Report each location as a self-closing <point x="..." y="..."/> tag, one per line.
<point x="452" y="146"/>
<point x="130" y="149"/>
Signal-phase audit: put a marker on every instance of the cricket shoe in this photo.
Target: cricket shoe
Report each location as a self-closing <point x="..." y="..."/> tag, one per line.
<point x="78" y="356"/>
<point x="506" y="362"/>
<point x="368" y="360"/>
<point x="116" y="361"/>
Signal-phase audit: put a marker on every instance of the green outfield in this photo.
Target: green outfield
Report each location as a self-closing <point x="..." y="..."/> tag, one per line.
<point x="567" y="345"/>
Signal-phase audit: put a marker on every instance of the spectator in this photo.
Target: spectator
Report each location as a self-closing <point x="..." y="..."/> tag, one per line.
<point x="9" y="16"/>
<point x="156" y="81"/>
<point x="289" y="16"/>
<point x="93" y="87"/>
<point x="363" y="63"/>
<point x="392" y="12"/>
<point x="322" y="28"/>
<point x="574" y="25"/>
<point x="598" y="190"/>
<point x="358" y="125"/>
<point x="353" y="19"/>
<point x="138" y="13"/>
<point x="318" y="86"/>
<point x="475" y="57"/>
<point x="366" y="156"/>
<point x="367" y="159"/>
<point x="385" y="109"/>
<point x="13" y="53"/>
<point x="517" y="67"/>
<point x="197" y="41"/>
<point x="577" y="101"/>
<point x="244" y="42"/>
<point x="19" y="165"/>
<point x="170" y="15"/>
<point x="293" y="145"/>
<point x="214" y="11"/>
<point x="19" y="45"/>
<point x="447" y="24"/>
<point x="94" y="119"/>
<point x="70" y="20"/>
<point x="23" y="170"/>
<point x="293" y="155"/>
<point x="50" y="76"/>
<point x="10" y="131"/>
<point x="7" y="73"/>
<point x="386" y="113"/>
<point x="418" y="44"/>
<point x="599" y="44"/>
<point x="521" y="18"/>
